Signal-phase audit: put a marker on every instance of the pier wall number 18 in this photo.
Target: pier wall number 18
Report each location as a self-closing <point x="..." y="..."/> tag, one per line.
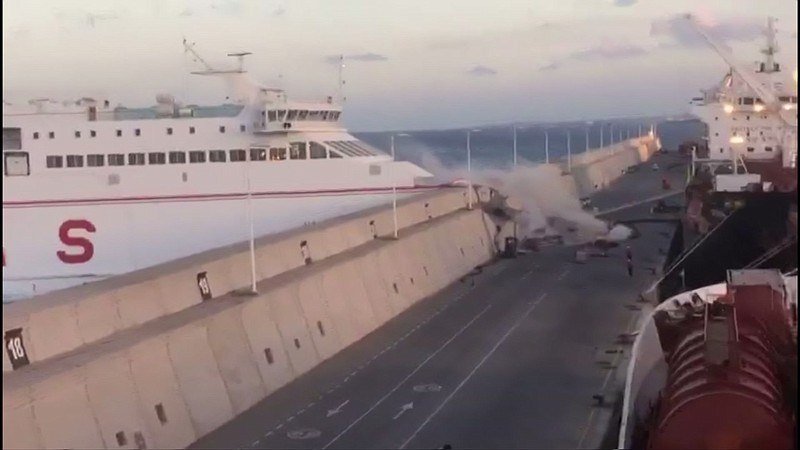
<point x="16" y="348"/>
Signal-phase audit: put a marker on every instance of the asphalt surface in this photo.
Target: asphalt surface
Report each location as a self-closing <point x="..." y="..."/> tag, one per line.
<point x="512" y="360"/>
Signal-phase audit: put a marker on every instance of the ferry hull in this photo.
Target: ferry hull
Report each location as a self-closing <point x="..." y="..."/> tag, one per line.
<point x="61" y="246"/>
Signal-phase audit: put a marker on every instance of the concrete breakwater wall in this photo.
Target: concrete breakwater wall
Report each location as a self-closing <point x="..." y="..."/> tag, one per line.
<point x="596" y="169"/>
<point x="159" y="357"/>
<point x="177" y="377"/>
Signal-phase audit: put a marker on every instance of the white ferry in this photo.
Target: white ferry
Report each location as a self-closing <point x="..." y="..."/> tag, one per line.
<point x="92" y="189"/>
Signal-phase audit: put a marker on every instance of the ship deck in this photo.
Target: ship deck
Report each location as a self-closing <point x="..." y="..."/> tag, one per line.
<point x="510" y="358"/>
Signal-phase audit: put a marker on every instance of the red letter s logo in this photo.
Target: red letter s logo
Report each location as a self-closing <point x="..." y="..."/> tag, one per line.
<point x="73" y="241"/>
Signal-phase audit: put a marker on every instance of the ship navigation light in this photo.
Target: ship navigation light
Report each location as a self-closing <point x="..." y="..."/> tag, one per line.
<point x="737" y="140"/>
<point x="728" y="108"/>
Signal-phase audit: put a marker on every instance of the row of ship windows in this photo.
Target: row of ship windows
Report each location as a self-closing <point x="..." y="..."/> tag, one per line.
<point x="749" y="149"/>
<point x="136" y="132"/>
<point x="194" y="157"/>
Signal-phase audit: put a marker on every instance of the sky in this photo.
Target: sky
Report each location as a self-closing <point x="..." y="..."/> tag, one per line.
<point x="409" y="64"/>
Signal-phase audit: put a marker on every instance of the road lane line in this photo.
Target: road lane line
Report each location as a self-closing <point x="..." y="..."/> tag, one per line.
<point x="408" y="377"/>
<point x="475" y="369"/>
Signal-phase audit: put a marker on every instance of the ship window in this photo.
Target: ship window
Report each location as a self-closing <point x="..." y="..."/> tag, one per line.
<point x="273" y="116"/>
<point x="135" y="159"/>
<point x="54" y="161"/>
<point x="17" y="164"/>
<point x="317" y="150"/>
<point x="238" y="155"/>
<point x="768" y="149"/>
<point x="303" y="115"/>
<point x="74" y="160"/>
<point x="197" y="156"/>
<point x="191" y="130"/>
<point x="51" y="135"/>
<point x="156" y="158"/>
<point x="258" y="154"/>
<point x="751" y="149"/>
<point x="116" y="159"/>
<point x="92" y="133"/>
<point x="36" y="135"/>
<point x="721" y="150"/>
<point x="242" y="128"/>
<point x="277" y="154"/>
<point x="747" y="117"/>
<point x="95" y="160"/>
<point x="136" y="132"/>
<point x="222" y="129"/>
<point x="748" y="100"/>
<point x="119" y="133"/>
<point x="335" y="115"/>
<point x="292" y="115"/>
<point x="12" y="138"/>
<point x="334" y="154"/>
<point x="77" y="134"/>
<point x="177" y="157"/>
<point x="297" y="150"/>
<point x="216" y="155"/>
<point x="169" y="131"/>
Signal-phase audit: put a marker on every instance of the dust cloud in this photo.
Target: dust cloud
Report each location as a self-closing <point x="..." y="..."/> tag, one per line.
<point x="539" y="192"/>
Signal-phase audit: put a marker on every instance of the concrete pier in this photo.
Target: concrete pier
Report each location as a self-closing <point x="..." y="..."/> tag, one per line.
<point x="161" y="357"/>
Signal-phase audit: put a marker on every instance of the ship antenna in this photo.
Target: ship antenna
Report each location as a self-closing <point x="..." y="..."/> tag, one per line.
<point x="341" y="79"/>
<point x="240" y="57"/>
<point x="772" y="46"/>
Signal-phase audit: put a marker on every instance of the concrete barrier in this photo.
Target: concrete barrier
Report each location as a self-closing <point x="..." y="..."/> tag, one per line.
<point x="595" y="170"/>
<point x="178" y="377"/>
<point x="85" y="314"/>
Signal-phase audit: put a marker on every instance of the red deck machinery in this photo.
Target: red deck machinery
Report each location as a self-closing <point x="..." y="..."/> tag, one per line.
<point x="731" y="370"/>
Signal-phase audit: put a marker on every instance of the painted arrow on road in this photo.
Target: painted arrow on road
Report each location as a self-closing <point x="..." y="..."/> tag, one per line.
<point x="403" y="409"/>
<point x="338" y="409"/>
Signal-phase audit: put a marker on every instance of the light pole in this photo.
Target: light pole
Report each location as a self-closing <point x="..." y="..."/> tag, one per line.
<point x="396" y="232"/>
<point x="569" y="152"/>
<point x="251" y="219"/>
<point x="469" y="167"/>
<point x="602" y="138"/>
<point x="515" y="147"/>
<point x="588" y="126"/>
<point x="611" y="132"/>
<point x="546" y="147"/>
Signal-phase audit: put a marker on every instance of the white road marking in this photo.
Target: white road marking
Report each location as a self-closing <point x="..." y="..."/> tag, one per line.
<point x="403" y="409"/>
<point x="279" y="426"/>
<point x="408" y="377"/>
<point x="338" y="409"/>
<point x="475" y="369"/>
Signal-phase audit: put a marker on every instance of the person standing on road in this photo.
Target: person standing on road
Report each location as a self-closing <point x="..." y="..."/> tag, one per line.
<point x="629" y="260"/>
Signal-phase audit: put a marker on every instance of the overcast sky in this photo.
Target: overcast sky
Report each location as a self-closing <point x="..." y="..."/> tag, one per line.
<point x="410" y="63"/>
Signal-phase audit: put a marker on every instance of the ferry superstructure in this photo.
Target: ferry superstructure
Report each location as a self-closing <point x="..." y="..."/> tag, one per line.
<point x="92" y="189"/>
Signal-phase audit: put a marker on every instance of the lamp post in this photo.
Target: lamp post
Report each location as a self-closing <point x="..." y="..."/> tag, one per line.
<point x="515" y="147"/>
<point x="251" y="220"/>
<point x="396" y="231"/>
<point x="602" y="138"/>
<point x="469" y="167"/>
<point x="569" y="152"/>
<point x="611" y="133"/>
<point x="546" y="147"/>
<point x="588" y="126"/>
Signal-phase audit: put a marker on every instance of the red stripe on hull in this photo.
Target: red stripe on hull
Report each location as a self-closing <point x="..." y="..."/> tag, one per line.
<point x="212" y="197"/>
